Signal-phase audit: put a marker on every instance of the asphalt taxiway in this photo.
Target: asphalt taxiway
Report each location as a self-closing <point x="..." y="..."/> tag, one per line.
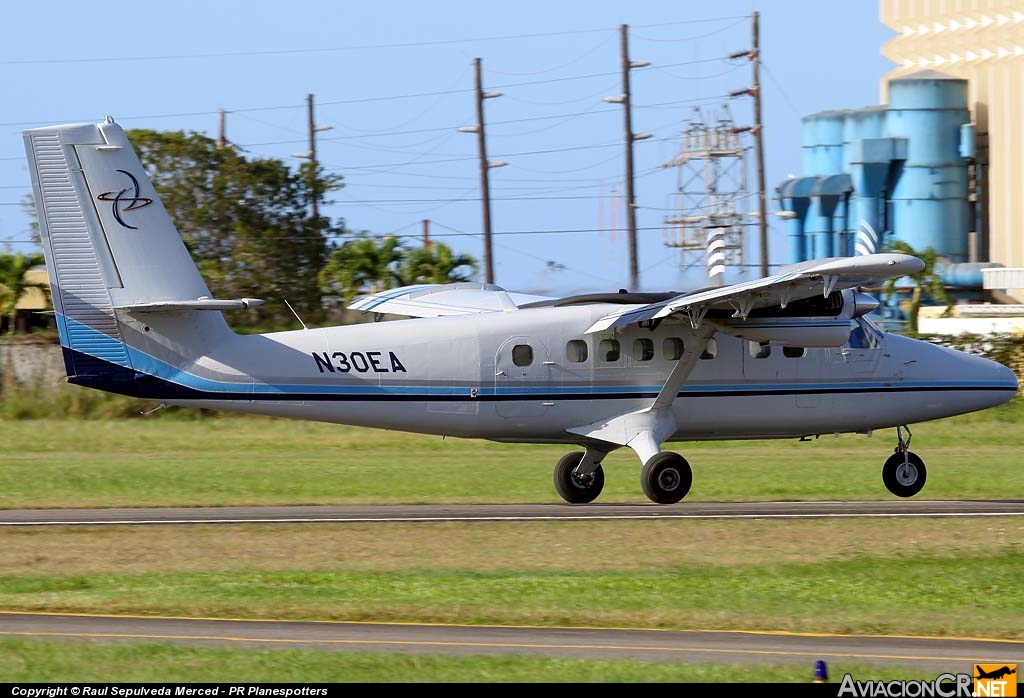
<point x="509" y="512"/>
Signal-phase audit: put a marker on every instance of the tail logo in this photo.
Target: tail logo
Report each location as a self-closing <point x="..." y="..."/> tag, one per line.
<point x="118" y="199"/>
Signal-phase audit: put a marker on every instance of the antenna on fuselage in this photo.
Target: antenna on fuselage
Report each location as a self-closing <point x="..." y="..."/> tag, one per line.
<point x="295" y="313"/>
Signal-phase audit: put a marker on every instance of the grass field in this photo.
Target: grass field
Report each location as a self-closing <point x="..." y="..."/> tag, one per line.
<point x="892" y="576"/>
<point x="235" y="461"/>
<point x="27" y="661"/>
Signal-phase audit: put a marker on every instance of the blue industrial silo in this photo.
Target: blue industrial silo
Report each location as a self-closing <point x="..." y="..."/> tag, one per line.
<point x="896" y="171"/>
<point x="928" y="201"/>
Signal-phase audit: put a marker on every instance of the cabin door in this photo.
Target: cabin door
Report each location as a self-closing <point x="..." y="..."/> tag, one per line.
<point x="522" y="378"/>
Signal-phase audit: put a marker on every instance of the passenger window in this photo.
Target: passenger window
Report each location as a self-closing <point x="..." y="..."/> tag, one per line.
<point x="576" y="351"/>
<point x="609" y="349"/>
<point x="522" y="355"/>
<point x="672" y="348"/>
<point x="711" y="350"/>
<point x="643" y="349"/>
<point x="759" y="350"/>
<point x="794" y="352"/>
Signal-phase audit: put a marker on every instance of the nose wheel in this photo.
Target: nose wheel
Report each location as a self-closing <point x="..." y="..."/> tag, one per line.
<point x="572" y="481"/>
<point x="904" y="473"/>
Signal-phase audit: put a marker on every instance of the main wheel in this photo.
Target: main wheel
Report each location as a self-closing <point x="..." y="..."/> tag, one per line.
<point x="666" y="478"/>
<point x="904" y="477"/>
<point x="573" y="487"/>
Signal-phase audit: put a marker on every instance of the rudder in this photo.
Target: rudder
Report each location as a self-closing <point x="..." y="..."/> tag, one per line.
<point x="109" y="244"/>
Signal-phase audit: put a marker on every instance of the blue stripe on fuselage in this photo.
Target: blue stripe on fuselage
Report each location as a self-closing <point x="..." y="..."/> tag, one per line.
<point x="147" y="372"/>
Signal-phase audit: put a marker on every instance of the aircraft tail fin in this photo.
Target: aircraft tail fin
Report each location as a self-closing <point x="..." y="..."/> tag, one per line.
<point x="110" y="249"/>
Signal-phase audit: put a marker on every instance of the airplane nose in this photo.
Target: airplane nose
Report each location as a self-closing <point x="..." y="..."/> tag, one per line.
<point x="1005" y="378"/>
<point x="1008" y="376"/>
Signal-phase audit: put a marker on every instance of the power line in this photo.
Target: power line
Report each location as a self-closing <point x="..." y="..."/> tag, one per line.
<point x="358" y="100"/>
<point x="334" y="49"/>
<point x="564" y="231"/>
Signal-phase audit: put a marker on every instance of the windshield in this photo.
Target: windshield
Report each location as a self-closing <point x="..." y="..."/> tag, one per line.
<point x="864" y="334"/>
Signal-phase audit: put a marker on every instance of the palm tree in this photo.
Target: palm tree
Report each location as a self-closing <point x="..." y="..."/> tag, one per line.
<point x="364" y="265"/>
<point x="928" y="280"/>
<point x="13" y="283"/>
<point x="437" y="264"/>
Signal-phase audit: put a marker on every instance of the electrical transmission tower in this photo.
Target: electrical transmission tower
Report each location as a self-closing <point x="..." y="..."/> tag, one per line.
<point x="707" y="209"/>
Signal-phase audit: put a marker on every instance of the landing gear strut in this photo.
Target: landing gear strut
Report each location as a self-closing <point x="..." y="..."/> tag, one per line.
<point x="666" y="477"/>
<point x="904" y="473"/>
<point x="579" y="477"/>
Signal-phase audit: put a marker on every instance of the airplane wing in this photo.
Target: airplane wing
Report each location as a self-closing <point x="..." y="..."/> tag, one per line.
<point x="795" y="282"/>
<point x="434" y="300"/>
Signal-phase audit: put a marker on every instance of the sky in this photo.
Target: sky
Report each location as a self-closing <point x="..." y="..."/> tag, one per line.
<point x="394" y="81"/>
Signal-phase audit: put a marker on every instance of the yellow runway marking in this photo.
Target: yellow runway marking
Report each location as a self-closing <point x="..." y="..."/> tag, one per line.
<point x="502" y="645"/>
<point x="786" y="633"/>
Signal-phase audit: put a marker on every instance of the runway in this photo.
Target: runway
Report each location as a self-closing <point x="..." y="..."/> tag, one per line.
<point x="508" y="512"/>
<point x="740" y="647"/>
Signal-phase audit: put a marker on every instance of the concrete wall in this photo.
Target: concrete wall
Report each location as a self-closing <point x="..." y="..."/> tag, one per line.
<point x="38" y="363"/>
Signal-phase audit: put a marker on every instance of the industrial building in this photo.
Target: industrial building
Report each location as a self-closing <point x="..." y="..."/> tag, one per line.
<point x="939" y="164"/>
<point x="981" y="42"/>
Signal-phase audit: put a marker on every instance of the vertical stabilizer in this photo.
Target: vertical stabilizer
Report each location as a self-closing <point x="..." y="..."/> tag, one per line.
<point x="108" y="244"/>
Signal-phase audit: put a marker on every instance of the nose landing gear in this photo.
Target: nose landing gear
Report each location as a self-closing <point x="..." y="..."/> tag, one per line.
<point x="904" y="473"/>
<point x="579" y="477"/>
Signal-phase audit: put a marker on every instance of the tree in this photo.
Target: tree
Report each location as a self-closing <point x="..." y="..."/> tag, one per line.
<point x="13" y="283"/>
<point x="437" y="264"/>
<point x="364" y="264"/>
<point x="927" y="281"/>
<point x="246" y="222"/>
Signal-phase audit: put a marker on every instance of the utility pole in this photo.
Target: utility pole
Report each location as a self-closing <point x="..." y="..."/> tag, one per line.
<point x="628" y="138"/>
<point x="485" y="166"/>
<point x="757" y="130"/>
<point x="310" y="155"/>
<point x="315" y="204"/>
<point x="426" y="234"/>
<point x="222" y="138"/>
<point x="762" y="212"/>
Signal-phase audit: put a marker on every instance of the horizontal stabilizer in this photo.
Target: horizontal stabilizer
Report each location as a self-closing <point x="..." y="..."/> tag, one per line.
<point x="198" y="304"/>
<point x="435" y="300"/>
<point x="804" y="280"/>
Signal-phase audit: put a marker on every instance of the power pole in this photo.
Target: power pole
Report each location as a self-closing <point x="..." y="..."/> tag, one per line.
<point x="315" y="207"/>
<point x="762" y="211"/>
<point x="628" y="138"/>
<point x="222" y="138"/>
<point x="426" y="234"/>
<point x="314" y="194"/>
<point x="485" y="166"/>
<point x="757" y="130"/>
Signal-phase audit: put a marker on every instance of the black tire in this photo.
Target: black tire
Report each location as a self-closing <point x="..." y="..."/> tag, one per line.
<point x="666" y="478"/>
<point x="577" y="489"/>
<point x="904" y="481"/>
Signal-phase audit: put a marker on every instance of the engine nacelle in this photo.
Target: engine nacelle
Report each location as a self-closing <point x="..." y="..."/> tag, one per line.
<point x="809" y="322"/>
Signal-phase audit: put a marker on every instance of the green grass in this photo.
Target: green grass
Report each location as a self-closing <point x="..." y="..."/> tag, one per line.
<point x="35" y="661"/>
<point x="239" y="460"/>
<point x="971" y="596"/>
<point x="926" y="576"/>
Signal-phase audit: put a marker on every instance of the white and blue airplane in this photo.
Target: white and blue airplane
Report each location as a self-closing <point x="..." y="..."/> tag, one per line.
<point x="791" y="355"/>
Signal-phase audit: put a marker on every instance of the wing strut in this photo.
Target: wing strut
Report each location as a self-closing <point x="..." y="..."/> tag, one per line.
<point x="644" y="430"/>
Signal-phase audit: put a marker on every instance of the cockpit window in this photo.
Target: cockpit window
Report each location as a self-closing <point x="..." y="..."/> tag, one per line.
<point x="864" y="334"/>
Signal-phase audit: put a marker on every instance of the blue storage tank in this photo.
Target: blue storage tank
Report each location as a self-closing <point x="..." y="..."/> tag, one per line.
<point x="823" y="143"/>
<point x="928" y="203"/>
<point x="867" y="160"/>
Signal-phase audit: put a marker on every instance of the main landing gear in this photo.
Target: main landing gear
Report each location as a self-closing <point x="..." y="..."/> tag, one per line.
<point x="666" y="478"/>
<point x="904" y="473"/>
<point x="579" y="478"/>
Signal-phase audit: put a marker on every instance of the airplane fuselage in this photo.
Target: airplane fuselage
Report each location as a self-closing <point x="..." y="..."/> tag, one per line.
<point x="532" y="374"/>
